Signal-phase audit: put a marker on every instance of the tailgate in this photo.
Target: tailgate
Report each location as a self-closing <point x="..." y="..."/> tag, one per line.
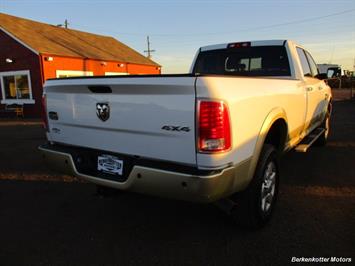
<point x="151" y="117"/>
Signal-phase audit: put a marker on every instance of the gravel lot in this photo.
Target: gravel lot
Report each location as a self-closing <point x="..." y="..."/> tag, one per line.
<point x="50" y="219"/>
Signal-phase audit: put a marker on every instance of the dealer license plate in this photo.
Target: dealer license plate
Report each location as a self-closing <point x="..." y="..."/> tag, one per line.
<point x="109" y="164"/>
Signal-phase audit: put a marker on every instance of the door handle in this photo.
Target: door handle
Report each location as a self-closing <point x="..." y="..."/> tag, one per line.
<point x="100" y="89"/>
<point x="309" y="88"/>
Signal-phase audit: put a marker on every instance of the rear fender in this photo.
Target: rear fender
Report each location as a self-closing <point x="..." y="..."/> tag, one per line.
<point x="274" y="115"/>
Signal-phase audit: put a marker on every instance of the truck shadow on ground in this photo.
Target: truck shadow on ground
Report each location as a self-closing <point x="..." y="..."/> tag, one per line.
<point x="67" y="220"/>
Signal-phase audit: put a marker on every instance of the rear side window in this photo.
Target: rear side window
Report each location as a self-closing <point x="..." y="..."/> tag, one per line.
<point x="245" y="61"/>
<point x="304" y="63"/>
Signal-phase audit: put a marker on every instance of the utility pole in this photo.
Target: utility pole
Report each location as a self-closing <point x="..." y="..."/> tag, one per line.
<point x="149" y="51"/>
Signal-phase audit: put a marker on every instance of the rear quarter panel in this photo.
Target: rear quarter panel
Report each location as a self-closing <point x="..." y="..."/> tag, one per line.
<point x="250" y="101"/>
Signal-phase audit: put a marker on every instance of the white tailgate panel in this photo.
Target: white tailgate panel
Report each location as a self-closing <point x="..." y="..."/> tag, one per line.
<point x="139" y="108"/>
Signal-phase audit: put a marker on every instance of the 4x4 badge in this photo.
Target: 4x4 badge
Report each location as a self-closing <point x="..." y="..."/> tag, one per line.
<point x="176" y="128"/>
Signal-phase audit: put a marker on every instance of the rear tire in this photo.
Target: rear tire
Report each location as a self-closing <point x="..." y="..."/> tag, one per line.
<point x="254" y="206"/>
<point x="322" y="140"/>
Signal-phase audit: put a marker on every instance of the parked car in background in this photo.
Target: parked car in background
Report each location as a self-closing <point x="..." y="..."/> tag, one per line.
<point x="332" y="70"/>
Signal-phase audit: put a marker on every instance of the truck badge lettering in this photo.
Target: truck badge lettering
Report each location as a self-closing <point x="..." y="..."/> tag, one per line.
<point x="176" y="128"/>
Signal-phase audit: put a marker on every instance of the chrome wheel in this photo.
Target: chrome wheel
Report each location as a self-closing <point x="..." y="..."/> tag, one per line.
<point x="268" y="186"/>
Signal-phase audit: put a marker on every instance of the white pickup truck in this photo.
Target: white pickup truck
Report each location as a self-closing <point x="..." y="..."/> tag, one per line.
<point x="214" y="134"/>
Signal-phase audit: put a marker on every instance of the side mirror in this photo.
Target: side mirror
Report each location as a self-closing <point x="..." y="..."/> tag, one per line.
<point x="331" y="73"/>
<point x="322" y="76"/>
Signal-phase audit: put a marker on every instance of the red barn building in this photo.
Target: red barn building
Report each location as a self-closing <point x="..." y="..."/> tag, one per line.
<point x="31" y="52"/>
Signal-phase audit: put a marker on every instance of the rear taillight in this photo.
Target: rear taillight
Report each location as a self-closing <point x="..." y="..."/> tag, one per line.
<point x="214" y="132"/>
<point x="44" y="113"/>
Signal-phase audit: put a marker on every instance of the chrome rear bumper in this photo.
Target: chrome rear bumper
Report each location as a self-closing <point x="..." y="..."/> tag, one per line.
<point x="158" y="182"/>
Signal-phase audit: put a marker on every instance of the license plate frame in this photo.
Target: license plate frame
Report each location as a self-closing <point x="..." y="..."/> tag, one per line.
<point x="109" y="164"/>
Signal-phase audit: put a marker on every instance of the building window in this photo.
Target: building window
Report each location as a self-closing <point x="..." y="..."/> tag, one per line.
<point x="115" y="73"/>
<point x="72" y="73"/>
<point x="16" y="87"/>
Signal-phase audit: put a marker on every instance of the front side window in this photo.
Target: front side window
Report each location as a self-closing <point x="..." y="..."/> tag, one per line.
<point x="304" y="63"/>
<point x="16" y="85"/>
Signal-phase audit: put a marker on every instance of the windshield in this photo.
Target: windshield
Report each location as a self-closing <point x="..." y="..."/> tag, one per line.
<point x="246" y="61"/>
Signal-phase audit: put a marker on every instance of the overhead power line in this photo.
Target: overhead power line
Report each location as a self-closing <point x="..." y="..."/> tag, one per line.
<point x="267" y="26"/>
<point x="285" y="23"/>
